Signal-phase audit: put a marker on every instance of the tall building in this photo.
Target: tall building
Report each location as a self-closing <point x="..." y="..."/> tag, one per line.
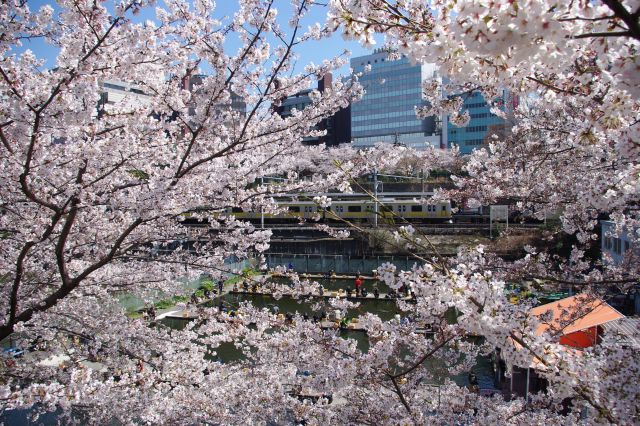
<point x="482" y="123"/>
<point x="237" y="102"/>
<point x="337" y="127"/>
<point x="386" y="113"/>
<point x="114" y="92"/>
<point x="615" y="247"/>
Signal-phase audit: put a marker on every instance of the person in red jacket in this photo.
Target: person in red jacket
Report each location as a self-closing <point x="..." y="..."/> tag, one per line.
<point x="358" y="285"/>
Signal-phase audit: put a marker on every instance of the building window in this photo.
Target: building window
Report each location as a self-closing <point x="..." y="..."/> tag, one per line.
<point x="617" y="246"/>
<point x="472" y="129"/>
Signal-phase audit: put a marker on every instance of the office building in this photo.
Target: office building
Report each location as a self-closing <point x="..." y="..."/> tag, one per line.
<point x="482" y="123"/>
<point x="237" y="102"/>
<point x="118" y="92"/>
<point x="337" y="127"/>
<point x="386" y="113"/>
<point x="616" y="246"/>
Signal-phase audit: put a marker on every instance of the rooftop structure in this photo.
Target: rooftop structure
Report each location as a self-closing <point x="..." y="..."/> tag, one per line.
<point x="576" y="319"/>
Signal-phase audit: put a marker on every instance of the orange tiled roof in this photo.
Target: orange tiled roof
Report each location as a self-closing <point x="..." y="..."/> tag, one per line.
<point x="590" y="312"/>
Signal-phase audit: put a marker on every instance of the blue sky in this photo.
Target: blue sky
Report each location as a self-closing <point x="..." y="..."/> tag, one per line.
<point x="313" y="51"/>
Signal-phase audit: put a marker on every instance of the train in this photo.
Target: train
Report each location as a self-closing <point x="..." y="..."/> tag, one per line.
<point x="361" y="211"/>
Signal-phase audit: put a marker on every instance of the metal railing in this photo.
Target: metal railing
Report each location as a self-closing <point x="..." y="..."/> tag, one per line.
<point x="340" y="264"/>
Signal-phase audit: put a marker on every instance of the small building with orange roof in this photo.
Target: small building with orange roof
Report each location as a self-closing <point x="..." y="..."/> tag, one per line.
<point x="576" y="322"/>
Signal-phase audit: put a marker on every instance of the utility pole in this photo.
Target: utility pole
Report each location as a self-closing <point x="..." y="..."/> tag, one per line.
<point x="375" y="195"/>
<point x="261" y="206"/>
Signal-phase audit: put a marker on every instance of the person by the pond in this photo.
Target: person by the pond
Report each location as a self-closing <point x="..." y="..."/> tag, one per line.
<point x="220" y="286"/>
<point x="290" y="266"/>
<point x="473" y="383"/>
<point x="358" y="285"/>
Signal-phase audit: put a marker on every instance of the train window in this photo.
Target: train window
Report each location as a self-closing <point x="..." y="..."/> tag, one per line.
<point x="354" y="209"/>
<point x="294" y="209"/>
<point x="444" y="208"/>
<point x="385" y="208"/>
<point x="429" y="208"/>
<point x="236" y="210"/>
<point x="416" y="208"/>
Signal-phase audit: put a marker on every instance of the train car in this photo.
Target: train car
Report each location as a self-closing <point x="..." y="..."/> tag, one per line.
<point x="362" y="211"/>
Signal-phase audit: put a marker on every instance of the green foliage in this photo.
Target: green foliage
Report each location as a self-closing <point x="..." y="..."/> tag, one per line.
<point x="167" y="303"/>
<point x="207" y="284"/>
<point x="140" y="174"/>
<point x="134" y="315"/>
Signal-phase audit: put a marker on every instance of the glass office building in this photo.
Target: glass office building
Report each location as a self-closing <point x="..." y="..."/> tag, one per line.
<point x="386" y="113"/>
<point x="481" y="124"/>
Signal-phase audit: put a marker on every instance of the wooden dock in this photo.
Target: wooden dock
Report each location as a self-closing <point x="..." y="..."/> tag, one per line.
<point x="341" y="294"/>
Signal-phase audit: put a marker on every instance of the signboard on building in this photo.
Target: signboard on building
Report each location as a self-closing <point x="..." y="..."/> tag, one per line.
<point x="499" y="213"/>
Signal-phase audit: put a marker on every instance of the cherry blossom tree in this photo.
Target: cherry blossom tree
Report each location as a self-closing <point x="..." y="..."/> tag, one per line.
<point x="573" y="151"/>
<point x="91" y="191"/>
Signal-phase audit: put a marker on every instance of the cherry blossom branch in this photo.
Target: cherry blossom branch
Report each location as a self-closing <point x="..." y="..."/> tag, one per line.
<point x="631" y="20"/>
<point x="65" y="290"/>
<point x="398" y="391"/>
<point x="425" y="357"/>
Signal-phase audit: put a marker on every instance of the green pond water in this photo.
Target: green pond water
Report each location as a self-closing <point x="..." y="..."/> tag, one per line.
<point x="385" y="309"/>
<point x="334" y="284"/>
